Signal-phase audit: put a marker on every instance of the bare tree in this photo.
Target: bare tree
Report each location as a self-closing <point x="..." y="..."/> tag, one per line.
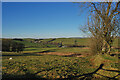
<point x="104" y="22"/>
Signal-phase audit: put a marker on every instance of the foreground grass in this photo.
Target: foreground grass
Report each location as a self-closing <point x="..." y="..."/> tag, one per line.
<point x="62" y="66"/>
<point x="57" y="67"/>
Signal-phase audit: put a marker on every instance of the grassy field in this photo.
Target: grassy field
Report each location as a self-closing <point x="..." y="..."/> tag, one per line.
<point x="33" y="63"/>
<point x="82" y="41"/>
<point x="57" y="67"/>
<point x="65" y="41"/>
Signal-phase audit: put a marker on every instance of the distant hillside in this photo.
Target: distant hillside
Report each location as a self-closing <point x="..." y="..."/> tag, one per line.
<point x="29" y="42"/>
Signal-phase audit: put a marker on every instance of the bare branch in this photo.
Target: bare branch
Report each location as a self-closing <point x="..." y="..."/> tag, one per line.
<point x="98" y="11"/>
<point x="116" y="6"/>
<point x="115" y="10"/>
<point x="116" y="13"/>
<point x="108" y="9"/>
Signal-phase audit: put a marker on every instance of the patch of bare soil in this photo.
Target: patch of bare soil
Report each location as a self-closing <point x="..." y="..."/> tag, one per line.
<point x="70" y="54"/>
<point x="56" y="53"/>
<point x="86" y="48"/>
<point x="81" y="56"/>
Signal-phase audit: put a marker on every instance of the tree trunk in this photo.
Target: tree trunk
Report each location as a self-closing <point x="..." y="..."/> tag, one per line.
<point x="109" y="49"/>
<point x="104" y="47"/>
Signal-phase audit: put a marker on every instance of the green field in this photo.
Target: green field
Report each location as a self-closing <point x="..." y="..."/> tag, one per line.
<point x="65" y="41"/>
<point x="33" y="63"/>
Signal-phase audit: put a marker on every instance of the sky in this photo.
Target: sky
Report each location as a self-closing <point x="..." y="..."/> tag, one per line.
<point x="42" y="20"/>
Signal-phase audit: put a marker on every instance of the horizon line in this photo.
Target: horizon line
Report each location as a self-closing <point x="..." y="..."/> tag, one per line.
<point x="40" y="38"/>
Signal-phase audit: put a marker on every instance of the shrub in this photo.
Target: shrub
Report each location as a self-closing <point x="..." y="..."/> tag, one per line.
<point x="9" y="45"/>
<point x="96" y="45"/>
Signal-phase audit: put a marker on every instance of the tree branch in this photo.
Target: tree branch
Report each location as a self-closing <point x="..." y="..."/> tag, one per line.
<point x="116" y="6"/>
<point x="116" y="13"/>
<point x="109" y="6"/>
<point x="115" y="10"/>
<point x="97" y="11"/>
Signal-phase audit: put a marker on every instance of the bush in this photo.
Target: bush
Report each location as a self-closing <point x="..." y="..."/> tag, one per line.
<point x="9" y="45"/>
<point x="20" y="47"/>
<point x="6" y="45"/>
<point x="14" y="48"/>
<point x="96" y="45"/>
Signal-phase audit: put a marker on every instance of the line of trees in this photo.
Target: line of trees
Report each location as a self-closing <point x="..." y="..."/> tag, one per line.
<point x="12" y="46"/>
